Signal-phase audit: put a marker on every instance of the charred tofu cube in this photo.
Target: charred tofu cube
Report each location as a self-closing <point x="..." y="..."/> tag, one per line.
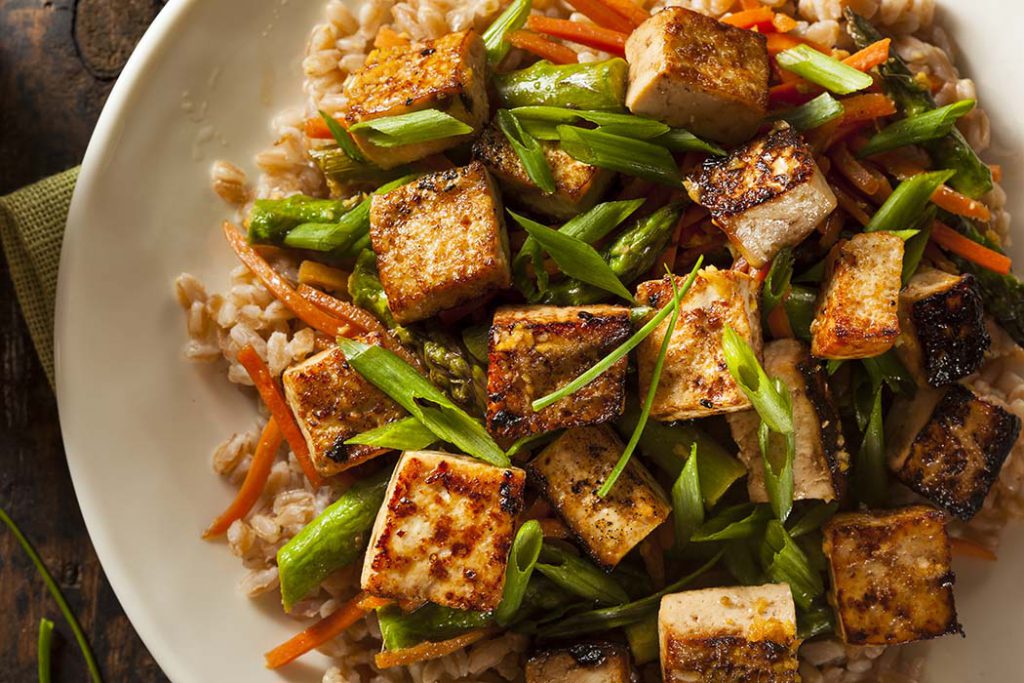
<point x="582" y="663"/>
<point x="857" y="315"/>
<point x="821" y="464"/>
<point x="739" y="633"/>
<point x="569" y="473"/>
<point x="447" y="74"/>
<point x="535" y="350"/>
<point x="444" y="531"/>
<point x="694" y="72"/>
<point x="695" y="381"/>
<point x="766" y="195"/>
<point x="949" y="445"/>
<point x="943" y="337"/>
<point x="440" y="242"/>
<point x="891" y="579"/>
<point x="332" y="403"/>
<point x="578" y="186"/>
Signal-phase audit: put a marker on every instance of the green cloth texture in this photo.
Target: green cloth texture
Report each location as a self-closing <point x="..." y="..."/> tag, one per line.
<point x="32" y="222"/>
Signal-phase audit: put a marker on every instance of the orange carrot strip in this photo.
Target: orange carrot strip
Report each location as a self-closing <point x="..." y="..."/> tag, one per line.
<point x="554" y="528"/>
<point x="342" y="310"/>
<point x="602" y="15"/>
<point x="790" y="93"/>
<point x="388" y="37"/>
<point x="949" y="199"/>
<point x="750" y="17"/>
<point x="274" y="400"/>
<point x="784" y="23"/>
<point x="997" y="172"/>
<point x="536" y="44"/>
<point x="964" y="547"/>
<point x="873" y="55"/>
<point x="866" y="107"/>
<point x="429" y="650"/>
<point x="750" y="4"/>
<point x="778" y="323"/>
<point x="851" y="205"/>
<point x="629" y="9"/>
<point x="584" y="34"/>
<point x="951" y="240"/>
<point x="326" y="629"/>
<point x="854" y="171"/>
<point x="316" y="128"/>
<point x="254" y="483"/>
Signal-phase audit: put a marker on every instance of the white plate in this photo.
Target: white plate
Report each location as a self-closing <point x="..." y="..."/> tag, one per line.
<point x="139" y="422"/>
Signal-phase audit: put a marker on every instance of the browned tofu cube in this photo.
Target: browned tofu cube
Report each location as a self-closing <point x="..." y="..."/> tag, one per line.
<point x="891" y="580"/>
<point x="695" y="381"/>
<point x="694" y="72"/>
<point x="332" y="403"/>
<point x="440" y="242"/>
<point x="569" y="473"/>
<point x="578" y="186"/>
<point x="447" y="74"/>
<point x="582" y="663"/>
<point x="444" y="532"/>
<point x="766" y="195"/>
<point x="949" y="445"/>
<point x="535" y="350"/>
<point x="822" y="463"/>
<point x="943" y="337"/>
<point x="732" y="634"/>
<point x="857" y="314"/>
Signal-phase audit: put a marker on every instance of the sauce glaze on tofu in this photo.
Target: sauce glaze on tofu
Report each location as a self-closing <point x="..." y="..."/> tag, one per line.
<point x="581" y="663"/>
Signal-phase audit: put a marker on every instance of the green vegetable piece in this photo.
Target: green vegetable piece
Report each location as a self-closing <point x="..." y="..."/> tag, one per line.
<point x="787" y="563"/>
<point x="823" y="70"/>
<point x="817" y="621"/>
<point x="913" y="250"/>
<point x="679" y="140"/>
<point x="521" y="562"/>
<point x="869" y="472"/>
<point x="511" y="19"/>
<point x="430" y="622"/>
<point x="777" y="281"/>
<point x="619" y="153"/>
<point x="737" y="522"/>
<point x="778" y="470"/>
<point x="576" y="575"/>
<point x="687" y="502"/>
<point x="739" y="561"/>
<point x="528" y="150"/>
<point x="597" y="86"/>
<point x="339" y="167"/>
<point x="342" y="137"/>
<point x="476" y="340"/>
<point x="270" y="219"/>
<point x="812" y="520"/>
<point x="627" y="125"/>
<point x="817" y="112"/>
<point x="768" y="401"/>
<point x="407" y="434"/>
<point x="410" y="129"/>
<point x="800" y="306"/>
<point x="916" y="129"/>
<point x="44" y="647"/>
<point x="904" y="206"/>
<point x="642" y="637"/>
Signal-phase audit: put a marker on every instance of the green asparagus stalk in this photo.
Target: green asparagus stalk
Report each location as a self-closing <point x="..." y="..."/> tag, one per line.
<point x="598" y="86"/>
<point x="430" y="622"/>
<point x="338" y="167"/>
<point x="271" y="219"/>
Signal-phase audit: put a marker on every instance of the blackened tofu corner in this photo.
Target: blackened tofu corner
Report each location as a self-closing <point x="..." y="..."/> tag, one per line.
<point x="444" y="532"/>
<point x="440" y="241"/>
<point x="766" y="195"/>
<point x="891" y="577"/>
<point x="581" y="663"/>
<point x="694" y="72"/>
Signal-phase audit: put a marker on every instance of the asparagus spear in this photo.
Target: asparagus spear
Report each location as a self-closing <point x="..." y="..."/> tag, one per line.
<point x="952" y="152"/>
<point x="343" y="171"/>
<point x="430" y="622"/>
<point x="599" y="86"/>
<point x="271" y="219"/>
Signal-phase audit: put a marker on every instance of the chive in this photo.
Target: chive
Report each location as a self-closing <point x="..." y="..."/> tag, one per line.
<point x="531" y="441"/>
<point x="579" y="577"/>
<point x="342" y="137"/>
<point x="423" y="400"/>
<point x="411" y="128"/>
<point x="750" y="376"/>
<point x="44" y="648"/>
<point x="905" y="234"/>
<point x="778" y="476"/>
<point x="817" y="112"/>
<point x="643" y="640"/>
<point x="529" y="151"/>
<point x="407" y="434"/>
<point x="687" y="502"/>
<point x="812" y="520"/>
<point x="777" y="281"/>
<point x="913" y="130"/>
<point x="521" y="562"/>
<point x="904" y="206"/>
<point x="679" y="140"/>
<point x="62" y="604"/>
<point x="496" y="36"/>
<point x="627" y="125"/>
<point x="787" y="563"/>
<point x="870" y="480"/>
<point x="542" y="130"/>
<point x="823" y="70"/>
<point x="913" y="250"/>
<point x="733" y="523"/>
<point x="619" y="153"/>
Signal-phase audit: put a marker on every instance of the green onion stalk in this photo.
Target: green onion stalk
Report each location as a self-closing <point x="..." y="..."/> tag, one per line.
<point x="597" y="86"/>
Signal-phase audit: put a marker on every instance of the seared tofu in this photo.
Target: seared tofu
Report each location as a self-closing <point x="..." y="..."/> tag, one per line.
<point x="578" y="186"/>
<point x="569" y="473"/>
<point x="535" y="350"/>
<point x="582" y="663"/>
<point x="766" y="195"/>
<point x="694" y="72"/>
<point x="440" y="242"/>
<point x="738" y="633"/>
<point x="822" y="463"/>
<point x="943" y="337"/>
<point x="448" y="74"/>
<point x="949" y="445"/>
<point x="695" y="381"/>
<point x="331" y="403"/>
<point x="857" y="315"/>
<point x="444" y="531"/>
<point x="891" y="577"/>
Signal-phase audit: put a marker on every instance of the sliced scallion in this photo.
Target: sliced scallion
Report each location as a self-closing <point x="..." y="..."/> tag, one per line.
<point x="778" y="471"/>
<point x="817" y="112"/>
<point x="44" y="648"/>
<point x="687" y="502"/>
<point x="407" y="434"/>
<point x="923" y="127"/>
<point x="913" y="250"/>
<point x="870" y="479"/>
<point x="627" y="125"/>
<point x="823" y="70"/>
<point x="618" y="153"/>
<point x="410" y="129"/>
<point x="496" y="36"/>
<point x="814" y="518"/>
<point x="904" y="206"/>
<point x="528" y="150"/>
<point x="521" y="562"/>
<point x="579" y="576"/>
<point x="751" y="377"/>
<point x="777" y="281"/>
<point x="787" y="563"/>
<point x="342" y="137"/>
<point x="733" y="523"/>
<point x="679" y="140"/>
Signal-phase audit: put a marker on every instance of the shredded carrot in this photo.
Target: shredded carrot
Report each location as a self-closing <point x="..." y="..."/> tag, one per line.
<point x="388" y="37"/>
<point x="554" y="528"/>
<point x="790" y="93"/>
<point x="951" y="240"/>
<point x="778" y="323"/>
<point x="537" y="44"/>
<point x="750" y="4"/>
<point x="629" y="9"/>
<point x="274" y="400"/>
<point x="316" y="128"/>
<point x="854" y="171"/>
<point x="316" y="274"/>
<point x="949" y="199"/>
<point x="326" y="629"/>
<point x="577" y="32"/>
<point x="602" y="15"/>
<point x="254" y="483"/>
<point x="873" y="55"/>
<point x="750" y="17"/>
<point x="429" y="650"/>
<point x="964" y="547"/>
<point x="997" y="172"/>
<point x="866" y="107"/>
<point x="342" y="310"/>
<point x="784" y="23"/>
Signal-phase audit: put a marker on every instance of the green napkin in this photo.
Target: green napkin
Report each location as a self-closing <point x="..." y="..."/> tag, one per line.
<point x="32" y="222"/>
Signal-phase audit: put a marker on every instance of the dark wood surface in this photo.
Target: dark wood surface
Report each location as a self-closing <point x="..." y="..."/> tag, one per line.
<point x="58" y="60"/>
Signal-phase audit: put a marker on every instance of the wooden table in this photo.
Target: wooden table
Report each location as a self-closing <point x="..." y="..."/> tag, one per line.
<point x="58" y="60"/>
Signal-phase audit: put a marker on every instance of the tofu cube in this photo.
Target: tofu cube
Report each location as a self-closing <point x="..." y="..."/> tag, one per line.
<point x="569" y="473"/>
<point x="578" y="186"/>
<point x="767" y="195"/>
<point x="891" y="577"/>
<point x="695" y="381"/>
<point x="440" y="242"/>
<point x="444" y="532"/>
<point x="822" y="463"/>
<point x="694" y="72"/>
<point x="581" y="663"/>
<point x="949" y="445"/>
<point x="535" y="350"/>
<point x="448" y="74"/>
<point x="857" y="314"/>
<point x="331" y="403"/>
<point x="738" y="633"/>
<point x="943" y="337"/>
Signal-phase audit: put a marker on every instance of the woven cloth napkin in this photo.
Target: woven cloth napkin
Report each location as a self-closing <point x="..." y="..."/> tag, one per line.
<point x="32" y="222"/>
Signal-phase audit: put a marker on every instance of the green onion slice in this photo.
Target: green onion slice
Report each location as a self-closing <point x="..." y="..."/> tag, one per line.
<point x="870" y="478"/>
<point x="412" y="128"/>
<point x="627" y="125"/>
<point x="679" y="140"/>
<point x="929" y="125"/>
<point x="787" y="563"/>
<point x="748" y="373"/>
<point x="733" y="523"/>
<point x="342" y="137"/>
<point x="778" y="470"/>
<point x="529" y="151"/>
<point x="823" y="70"/>
<point x="687" y="502"/>
<point x="619" y="153"/>
<point x="913" y="250"/>
<point x="817" y="112"/>
<point x="904" y="206"/>
<point x="579" y="577"/>
<point x="812" y="520"/>
<point x="777" y="282"/>
<point x="407" y="434"/>
<point x="44" y="648"/>
<point x="521" y="562"/>
<point x="496" y="36"/>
